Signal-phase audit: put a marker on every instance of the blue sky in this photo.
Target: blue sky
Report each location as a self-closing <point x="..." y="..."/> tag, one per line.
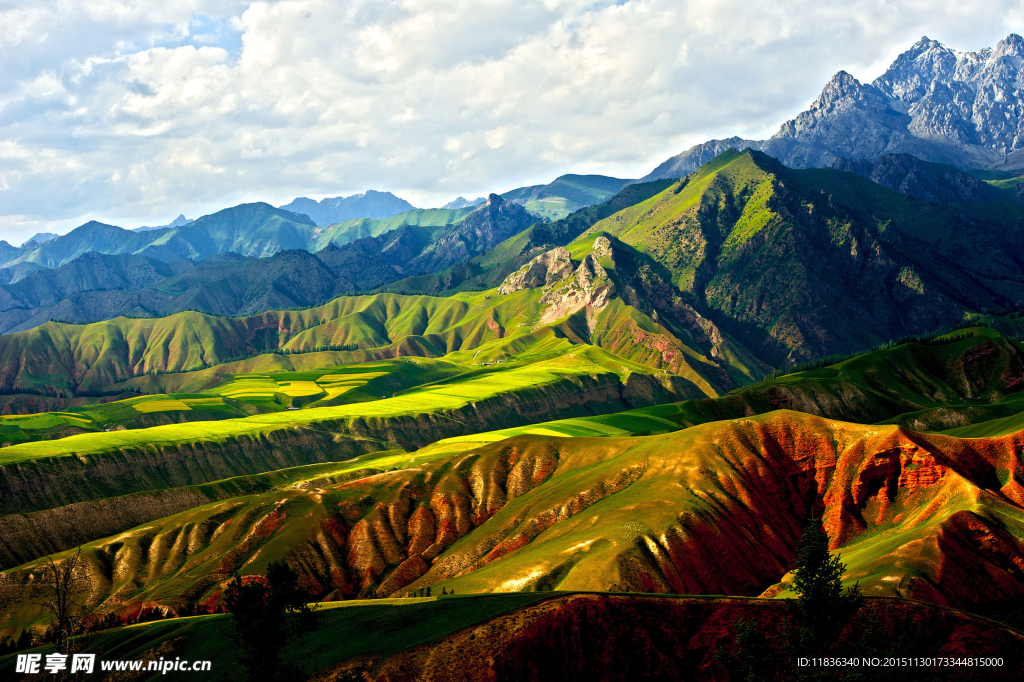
<point x="134" y="112"/>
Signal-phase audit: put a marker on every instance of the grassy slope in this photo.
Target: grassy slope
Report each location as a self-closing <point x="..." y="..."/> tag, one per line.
<point x="238" y="395"/>
<point x="715" y="509"/>
<point x="190" y="352"/>
<point x="924" y="387"/>
<point x="968" y="373"/>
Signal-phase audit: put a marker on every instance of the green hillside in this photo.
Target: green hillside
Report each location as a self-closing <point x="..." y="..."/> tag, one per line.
<point x="189" y="352"/>
<point x="612" y="402"/>
<point x="489" y="269"/>
<point x="444" y="395"/>
<point x="791" y="261"/>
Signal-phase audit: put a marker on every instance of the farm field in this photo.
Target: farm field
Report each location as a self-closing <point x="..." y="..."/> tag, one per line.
<point x="239" y="396"/>
<point x="448" y="394"/>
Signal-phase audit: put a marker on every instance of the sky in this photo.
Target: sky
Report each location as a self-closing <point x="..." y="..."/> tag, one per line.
<point x="131" y="112"/>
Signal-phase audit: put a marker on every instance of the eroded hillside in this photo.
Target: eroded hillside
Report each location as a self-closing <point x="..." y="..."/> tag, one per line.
<point x="713" y="509"/>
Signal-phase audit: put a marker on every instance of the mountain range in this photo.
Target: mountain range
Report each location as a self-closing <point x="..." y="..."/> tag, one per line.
<point x="96" y="286"/>
<point x="369" y="204"/>
<point x="933" y="102"/>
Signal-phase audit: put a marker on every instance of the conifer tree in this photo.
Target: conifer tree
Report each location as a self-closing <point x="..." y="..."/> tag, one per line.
<point x="821" y="603"/>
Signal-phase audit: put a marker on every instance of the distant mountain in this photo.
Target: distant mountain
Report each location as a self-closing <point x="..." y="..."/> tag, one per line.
<point x="177" y="222"/>
<point x="350" y="230"/>
<point x="369" y="204"/>
<point x="61" y="293"/>
<point x="93" y="286"/>
<point x="464" y="203"/>
<point x="558" y="198"/>
<point x="18" y="272"/>
<point x="480" y="231"/>
<point x="418" y="249"/>
<point x="566" y="194"/>
<point x="248" y="229"/>
<point x="40" y="238"/>
<point x="935" y="103"/>
<point x="99" y="287"/>
<point x="489" y="269"/>
<point x="92" y="236"/>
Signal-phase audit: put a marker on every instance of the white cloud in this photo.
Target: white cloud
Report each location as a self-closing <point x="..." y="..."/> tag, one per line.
<point x="134" y="112"/>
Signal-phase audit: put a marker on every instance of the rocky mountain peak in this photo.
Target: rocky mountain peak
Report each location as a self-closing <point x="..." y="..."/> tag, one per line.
<point x="842" y="86"/>
<point x="933" y="102"/>
<point x="1010" y="46"/>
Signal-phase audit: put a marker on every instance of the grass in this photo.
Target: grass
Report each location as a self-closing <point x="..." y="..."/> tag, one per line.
<point x="448" y="394"/>
<point x="629" y="423"/>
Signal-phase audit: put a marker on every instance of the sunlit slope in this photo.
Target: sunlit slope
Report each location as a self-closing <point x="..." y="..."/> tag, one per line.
<point x="238" y="395"/>
<point x="587" y="381"/>
<point x="150" y="354"/>
<point x="712" y="509"/>
<point x="489" y="269"/>
<point x="446" y="395"/>
<point x="805" y="263"/>
<point x="972" y="375"/>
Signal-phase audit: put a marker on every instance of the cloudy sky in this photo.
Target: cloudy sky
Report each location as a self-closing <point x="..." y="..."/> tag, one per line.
<point x="134" y="111"/>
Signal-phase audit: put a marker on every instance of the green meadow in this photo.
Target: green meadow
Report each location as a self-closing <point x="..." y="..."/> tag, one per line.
<point x="449" y="394"/>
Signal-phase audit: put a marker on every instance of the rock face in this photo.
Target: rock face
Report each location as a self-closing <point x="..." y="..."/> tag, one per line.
<point x="566" y="291"/>
<point x="589" y="287"/>
<point x="933" y="182"/>
<point x="544" y="270"/>
<point x="936" y="103"/>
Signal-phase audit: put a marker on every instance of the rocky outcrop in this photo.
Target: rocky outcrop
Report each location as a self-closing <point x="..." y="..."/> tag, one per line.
<point x="590" y="287"/>
<point x="544" y="270"/>
<point x="566" y="291"/>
